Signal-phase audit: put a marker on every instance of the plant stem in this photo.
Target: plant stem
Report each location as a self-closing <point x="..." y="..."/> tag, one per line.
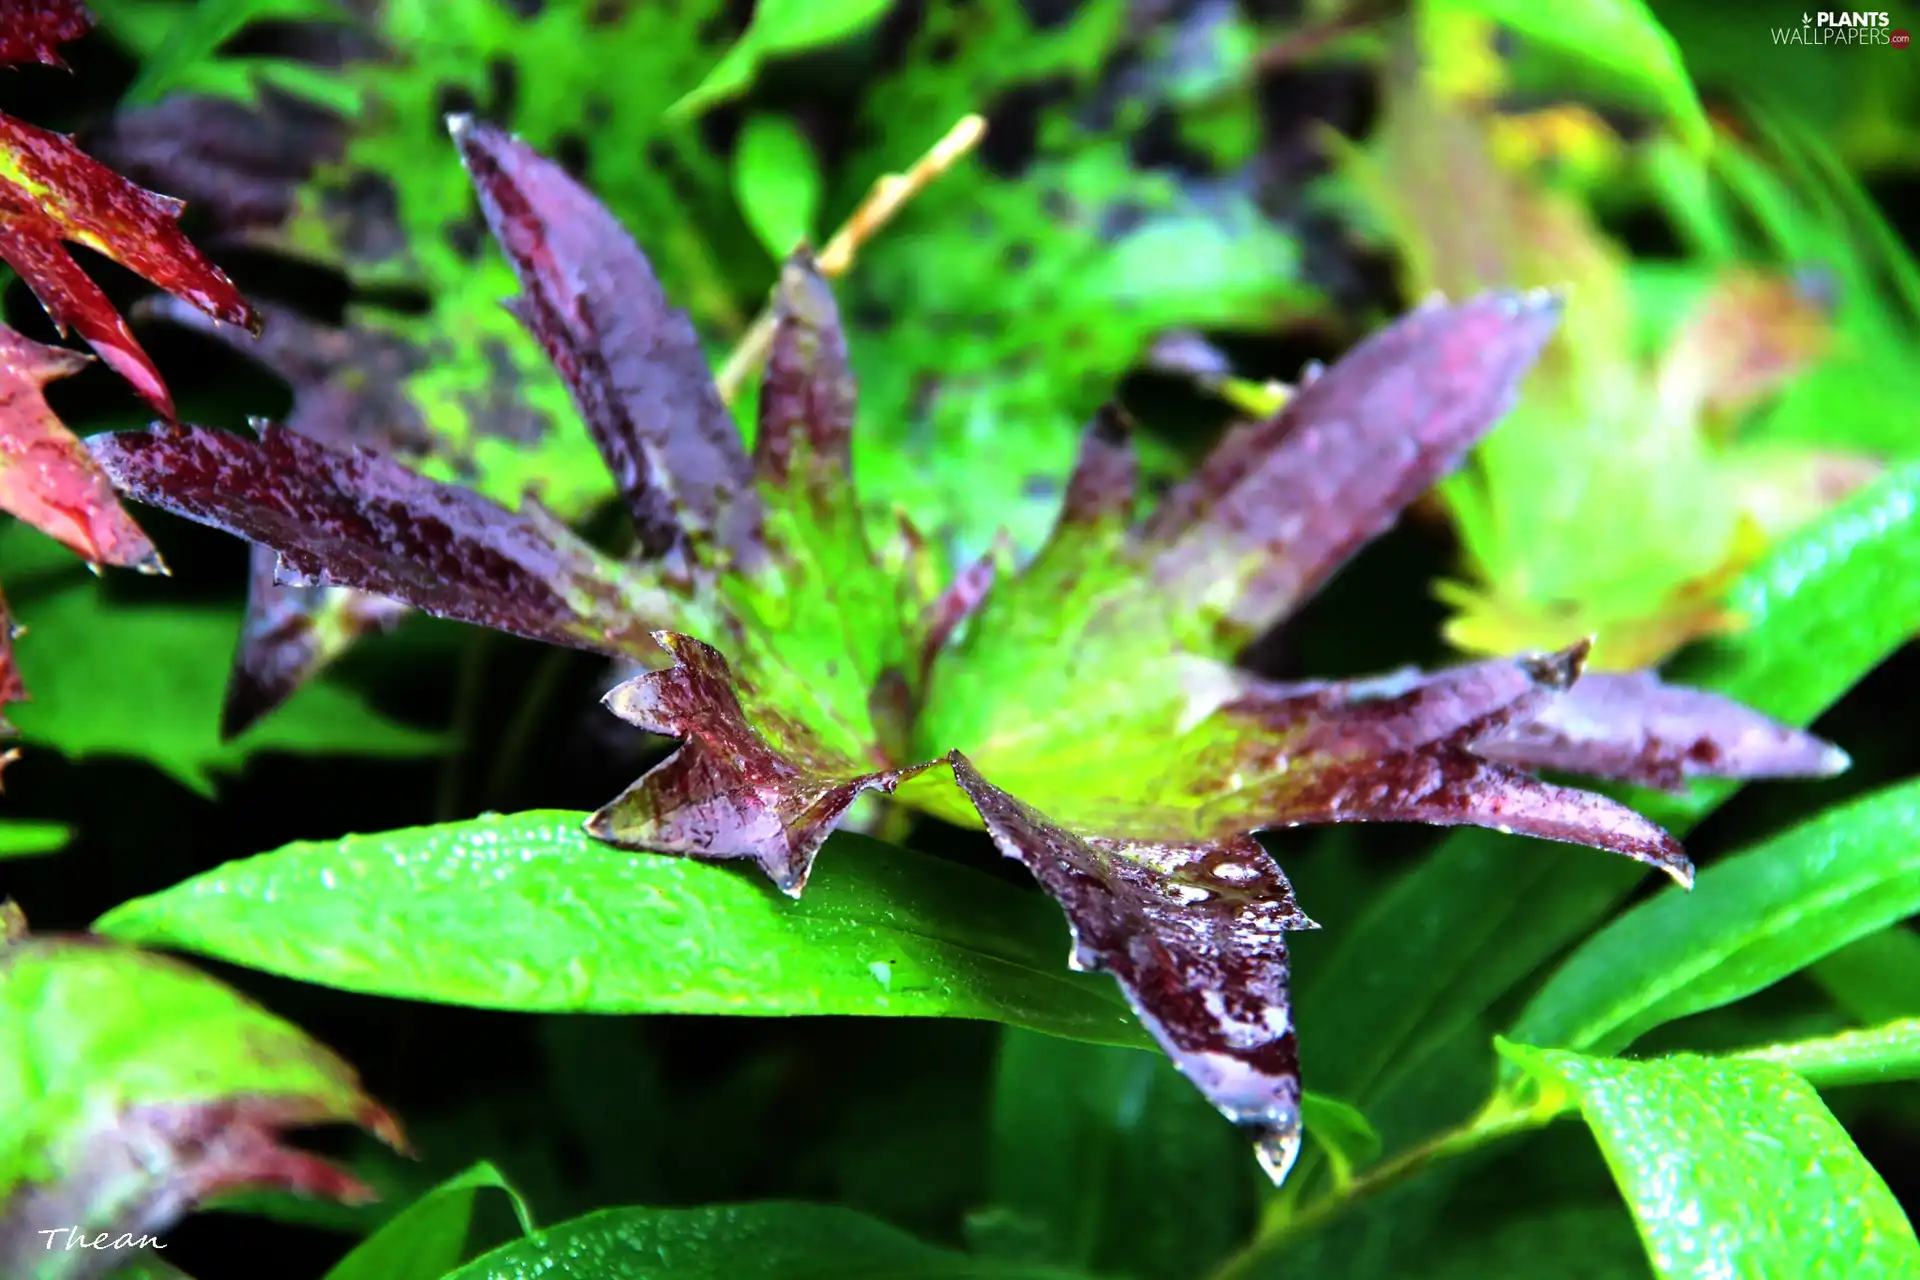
<point x="518" y="739"/>
<point x="885" y="198"/>
<point x="469" y="681"/>
<point x="1496" y="1120"/>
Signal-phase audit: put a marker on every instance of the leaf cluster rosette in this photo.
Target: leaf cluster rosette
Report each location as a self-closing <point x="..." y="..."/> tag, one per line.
<point x="1083" y="708"/>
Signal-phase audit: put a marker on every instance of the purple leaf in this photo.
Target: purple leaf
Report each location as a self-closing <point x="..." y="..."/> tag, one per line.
<point x="1406" y="750"/>
<point x="1281" y="504"/>
<point x="356" y="519"/>
<point x="1195" y="932"/>
<point x="1106" y="475"/>
<point x="632" y="362"/>
<point x="726" y="792"/>
<point x="1630" y="727"/>
<point x="807" y="397"/>
<point x="289" y="635"/>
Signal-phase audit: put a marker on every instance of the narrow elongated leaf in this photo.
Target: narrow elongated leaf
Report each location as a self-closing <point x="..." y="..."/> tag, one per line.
<point x="556" y="921"/>
<point x="1104" y="1158"/>
<point x="1751" y="920"/>
<point x="780" y="27"/>
<point x="1876" y="978"/>
<point x="22" y="839"/>
<point x="1872" y="1055"/>
<point x="769" y="1239"/>
<point x="360" y="520"/>
<point x="431" y="1236"/>
<point x="47" y="477"/>
<point x="1733" y="1168"/>
<point x="776" y="179"/>
<point x="1458" y="931"/>
<point x="134" y="1087"/>
<point x="632" y="361"/>
<point x="1282" y="504"/>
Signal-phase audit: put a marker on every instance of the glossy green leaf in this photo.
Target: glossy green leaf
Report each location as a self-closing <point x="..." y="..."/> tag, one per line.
<point x="136" y="681"/>
<point x="431" y="1236"/>
<point x="129" y="1082"/>
<point x="1731" y="1167"/>
<point x="775" y="1240"/>
<point x="25" y="839"/>
<point x="1751" y="920"/>
<point x="1106" y="1159"/>
<point x="1876" y="978"/>
<point x="776" y="179"/>
<point x="1871" y="1055"/>
<point x="526" y="912"/>
<point x="780" y="27"/>
<point x="1445" y="941"/>
<point x="1622" y="38"/>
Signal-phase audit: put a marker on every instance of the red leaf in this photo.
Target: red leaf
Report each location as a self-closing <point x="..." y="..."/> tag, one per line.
<point x="361" y="520"/>
<point x="34" y="30"/>
<point x="1281" y="504"/>
<point x="726" y="793"/>
<point x="54" y="193"/>
<point x="1630" y="727"/>
<point x="1195" y="932"/>
<point x="632" y="362"/>
<point x="47" y="477"/>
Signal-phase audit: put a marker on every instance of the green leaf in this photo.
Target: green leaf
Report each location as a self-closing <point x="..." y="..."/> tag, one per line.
<point x="1732" y="1168"/>
<point x="1621" y="38"/>
<point x="1452" y="936"/>
<point x="431" y="1236"/>
<point x="198" y="31"/>
<point x="150" y="1268"/>
<point x="130" y="1082"/>
<point x="24" y="839"/>
<point x="135" y="680"/>
<point x="763" y="1240"/>
<point x="1876" y="978"/>
<point x="1873" y="1055"/>
<point x="1342" y="1131"/>
<point x="526" y="912"/>
<point x="776" y="179"/>
<point x="1107" y="1159"/>
<point x="780" y="27"/>
<point x="1751" y="920"/>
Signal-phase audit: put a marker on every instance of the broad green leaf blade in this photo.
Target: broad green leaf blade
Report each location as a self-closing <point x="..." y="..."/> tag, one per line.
<point x="431" y="1236"/>
<point x="133" y="1086"/>
<point x="26" y="839"/>
<point x="776" y="179"/>
<point x="526" y="912"/>
<point x="1620" y="38"/>
<point x="1751" y="920"/>
<point x="1107" y="1159"/>
<point x="1873" y="1055"/>
<point x="1733" y="1168"/>
<point x="718" y="1242"/>
<point x="1445" y="941"/>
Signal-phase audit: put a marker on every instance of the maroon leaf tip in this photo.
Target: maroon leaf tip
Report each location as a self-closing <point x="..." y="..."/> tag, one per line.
<point x="1195" y="933"/>
<point x="808" y="392"/>
<point x="632" y="362"/>
<point x="726" y="792"/>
